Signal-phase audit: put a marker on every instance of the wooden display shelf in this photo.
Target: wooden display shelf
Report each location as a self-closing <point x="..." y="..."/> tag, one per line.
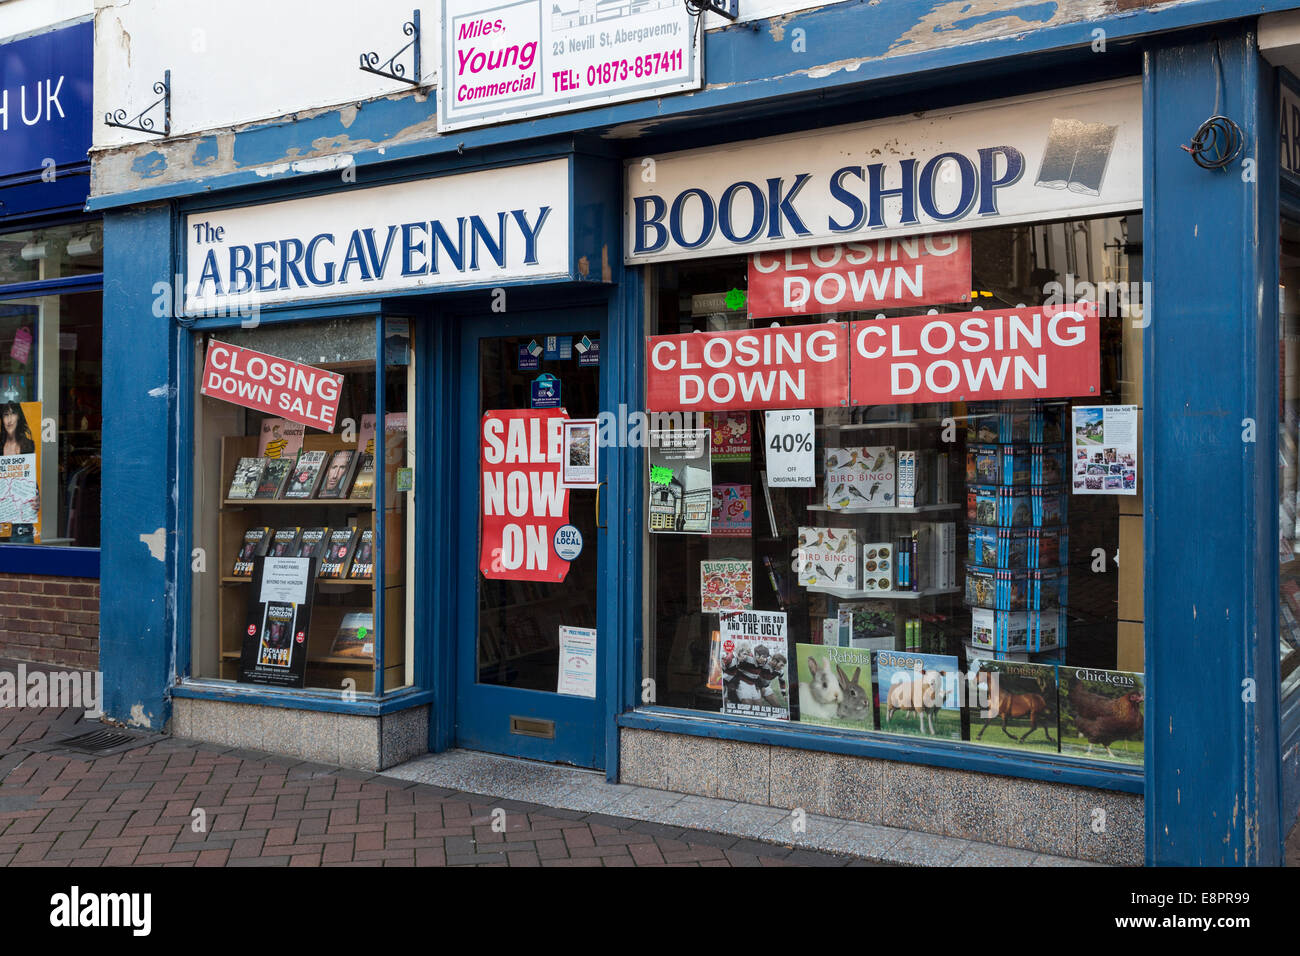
<point x="320" y="582"/>
<point x="361" y="504"/>
<point x="918" y="510"/>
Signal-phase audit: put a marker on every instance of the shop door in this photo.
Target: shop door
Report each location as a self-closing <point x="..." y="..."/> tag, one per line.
<point x="509" y="642"/>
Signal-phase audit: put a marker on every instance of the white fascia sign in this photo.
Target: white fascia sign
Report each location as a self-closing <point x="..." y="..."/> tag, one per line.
<point x="1031" y="158"/>
<point x="478" y="228"/>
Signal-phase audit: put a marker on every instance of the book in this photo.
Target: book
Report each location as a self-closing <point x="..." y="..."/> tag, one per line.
<point x="860" y="478"/>
<point x="338" y="474"/>
<point x="1076" y="156"/>
<point x="1013" y="704"/>
<point x="731" y="436"/>
<point x="305" y="476"/>
<point x="248" y="474"/>
<point x="254" y="545"/>
<point x="363" y="484"/>
<point x="355" y="636"/>
<point x="312" y="543"/>
<point x="726" y="586"/>
<point x="755" y="653"/>
<point x="1102" y="714"/>
<point x="732" y="511"/>
<point x="342" y="542"/>
<point x="366" y="435"/>
<point x="919" y="694"/>
<point x="834" y="686"/>
<point x="284" y="544"/>
<point x="907" y="479"/>
<point x="829" y="558"/>
<point x="869" y="624"/>
<point x="363" y="558"/>
<point x="275" y="474"/>
<point x="280" y="439"/>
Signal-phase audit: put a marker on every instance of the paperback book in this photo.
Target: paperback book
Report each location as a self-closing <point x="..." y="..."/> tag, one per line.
<point x="312" y="543"/>
<point x="305" y="476"/>
<point x="755" y="653"/>
<point x="342" y="542"/>
<point x="275" y="475"/>
<point x="355" y="637"/>
<point x="248" y="475"/>
<point x="363" y="485"/>
<point x="284" y="544"/>
<point x="255" y="543"/>
<point x="363" y="558"/>
<point x="860" y="478"/>
<point x="338" y="474"/>
<point x="1102" y="714"/>
<point x="919" y="694"/>
<point x="280" y="439"/>
<point x="834" y="686"/>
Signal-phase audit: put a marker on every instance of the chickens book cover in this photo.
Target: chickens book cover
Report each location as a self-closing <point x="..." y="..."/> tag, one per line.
<point x="834" y="686"/>
<point x="1102" y="714"/>
<point x="1013" y="704"/>
<point x="918" y="694"/>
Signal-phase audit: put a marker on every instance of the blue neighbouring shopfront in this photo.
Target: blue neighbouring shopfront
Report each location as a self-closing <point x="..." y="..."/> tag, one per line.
<point x="1221" y="780"/>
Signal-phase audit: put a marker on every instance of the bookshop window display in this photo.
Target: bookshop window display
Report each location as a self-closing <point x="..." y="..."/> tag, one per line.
<point x="304" y="527"/>
<point x="887" y="485"/>
<point x="51" y="357"/>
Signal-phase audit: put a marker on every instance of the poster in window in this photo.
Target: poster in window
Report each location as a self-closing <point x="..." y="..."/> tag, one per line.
<point x="681" y="481"/>
<point x="274" y="650"/>
<point x="1104" y="457"/>
<point x="20" y="472"/>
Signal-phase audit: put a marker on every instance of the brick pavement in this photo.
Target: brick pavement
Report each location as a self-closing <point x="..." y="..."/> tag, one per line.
<point x="138" y="809"/>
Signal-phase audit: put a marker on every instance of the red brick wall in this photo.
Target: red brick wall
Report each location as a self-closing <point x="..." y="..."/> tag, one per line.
<point x="51" y="620"/>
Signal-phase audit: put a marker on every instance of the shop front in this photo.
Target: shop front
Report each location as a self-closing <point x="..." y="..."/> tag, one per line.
<point x="50" y="352"/>
<point x="907" y="466"/>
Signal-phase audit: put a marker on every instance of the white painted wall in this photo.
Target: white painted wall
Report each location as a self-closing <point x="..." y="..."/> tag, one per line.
<point x="238" y="61"/>
<point x="19" y="18"/>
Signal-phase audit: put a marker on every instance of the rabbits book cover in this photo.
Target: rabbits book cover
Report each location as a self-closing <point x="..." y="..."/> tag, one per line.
<point x="835" y="686"/>
<point x="919" y="694"/>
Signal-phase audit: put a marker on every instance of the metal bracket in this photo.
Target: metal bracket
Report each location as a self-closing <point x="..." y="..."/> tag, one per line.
<point x="392" y="69"/>
<point x="141" y="123"/>
<point x="730" y="9"/>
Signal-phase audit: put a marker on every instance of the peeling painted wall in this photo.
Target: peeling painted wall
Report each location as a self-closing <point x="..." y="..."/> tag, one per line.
<point x="293" y="71"/>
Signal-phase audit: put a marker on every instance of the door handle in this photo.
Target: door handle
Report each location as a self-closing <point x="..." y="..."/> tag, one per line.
<point x="599" y="526"/>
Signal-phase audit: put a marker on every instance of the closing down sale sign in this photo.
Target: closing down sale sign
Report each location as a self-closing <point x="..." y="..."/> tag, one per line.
<point x="299" y="393"/>
<point x="1034" y="352"/>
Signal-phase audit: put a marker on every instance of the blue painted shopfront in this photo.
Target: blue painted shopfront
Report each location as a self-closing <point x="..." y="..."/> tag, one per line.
<point x="1213" y="784"/>
<point x="45" y="135"/>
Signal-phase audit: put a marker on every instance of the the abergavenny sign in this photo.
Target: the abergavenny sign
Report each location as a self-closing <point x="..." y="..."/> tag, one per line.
<point x="478" y="228"/>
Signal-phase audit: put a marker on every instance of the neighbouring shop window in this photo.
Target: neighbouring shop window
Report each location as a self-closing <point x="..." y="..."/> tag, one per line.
<point x="51" y="356"/>
<point x="1289" y="446"/>
<point x="269" y="487"/>
<point x="959" y="567"/>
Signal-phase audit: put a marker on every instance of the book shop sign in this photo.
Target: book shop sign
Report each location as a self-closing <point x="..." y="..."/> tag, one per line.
<point x="523" y="498"/>
<point x="298" y="393"/>
<point x="1031" y="158"/>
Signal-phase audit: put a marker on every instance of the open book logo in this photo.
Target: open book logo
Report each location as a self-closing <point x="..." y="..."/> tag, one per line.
<point x="1076" y="155"/>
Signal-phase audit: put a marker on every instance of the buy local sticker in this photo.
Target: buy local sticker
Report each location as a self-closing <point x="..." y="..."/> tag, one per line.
<point x="524" y="501"/>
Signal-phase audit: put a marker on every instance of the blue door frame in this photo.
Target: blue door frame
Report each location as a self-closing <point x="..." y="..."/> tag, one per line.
<point x="483" y="711"/>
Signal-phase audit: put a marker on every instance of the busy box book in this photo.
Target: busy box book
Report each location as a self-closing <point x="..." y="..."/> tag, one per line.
<point x="1102" y="714"/>
<point x="1012" y="704"/>
<point x="726" y="586"/>
<point x="860" y="478"/>
<point x="835" y="686"/>
<point x="918" y="694"/>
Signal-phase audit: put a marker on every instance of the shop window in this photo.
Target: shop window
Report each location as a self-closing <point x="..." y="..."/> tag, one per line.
<point x="1289" y="444"/>
<point x="339" y="503"/>
<point x="51" y="353"/>
<point x="958" y="569"/>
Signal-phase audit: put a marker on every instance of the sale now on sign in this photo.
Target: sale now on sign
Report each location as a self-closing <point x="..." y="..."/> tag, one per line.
<point x="856" y="276"/>
<point x="801" y="366"/>
<point x="1033" y="352"/>
<point x="299" y="393"/>
<point x="524" y="500"/>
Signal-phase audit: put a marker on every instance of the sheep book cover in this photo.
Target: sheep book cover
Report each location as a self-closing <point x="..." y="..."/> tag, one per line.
<point x="834" y="686"/>
<point x="754" y="657"/>
<point x="1102" y="714"/>
<point x="1013" y="704"/>
<point x="919" y="694"/>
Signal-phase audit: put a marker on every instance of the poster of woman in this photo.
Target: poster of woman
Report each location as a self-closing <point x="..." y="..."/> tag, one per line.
<point x="20" y="472"/>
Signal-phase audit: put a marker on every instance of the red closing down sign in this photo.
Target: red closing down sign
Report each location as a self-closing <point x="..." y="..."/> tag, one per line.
<point x="860" y="276"/>
<point x="797" y="366"/>
<point x="1034" y="352"/>
<point x="299" y="393"/>
<point x="523" y="499"/>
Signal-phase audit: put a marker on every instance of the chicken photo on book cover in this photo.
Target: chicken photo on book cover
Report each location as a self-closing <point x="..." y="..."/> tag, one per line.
<point x="1102" y="714"/>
